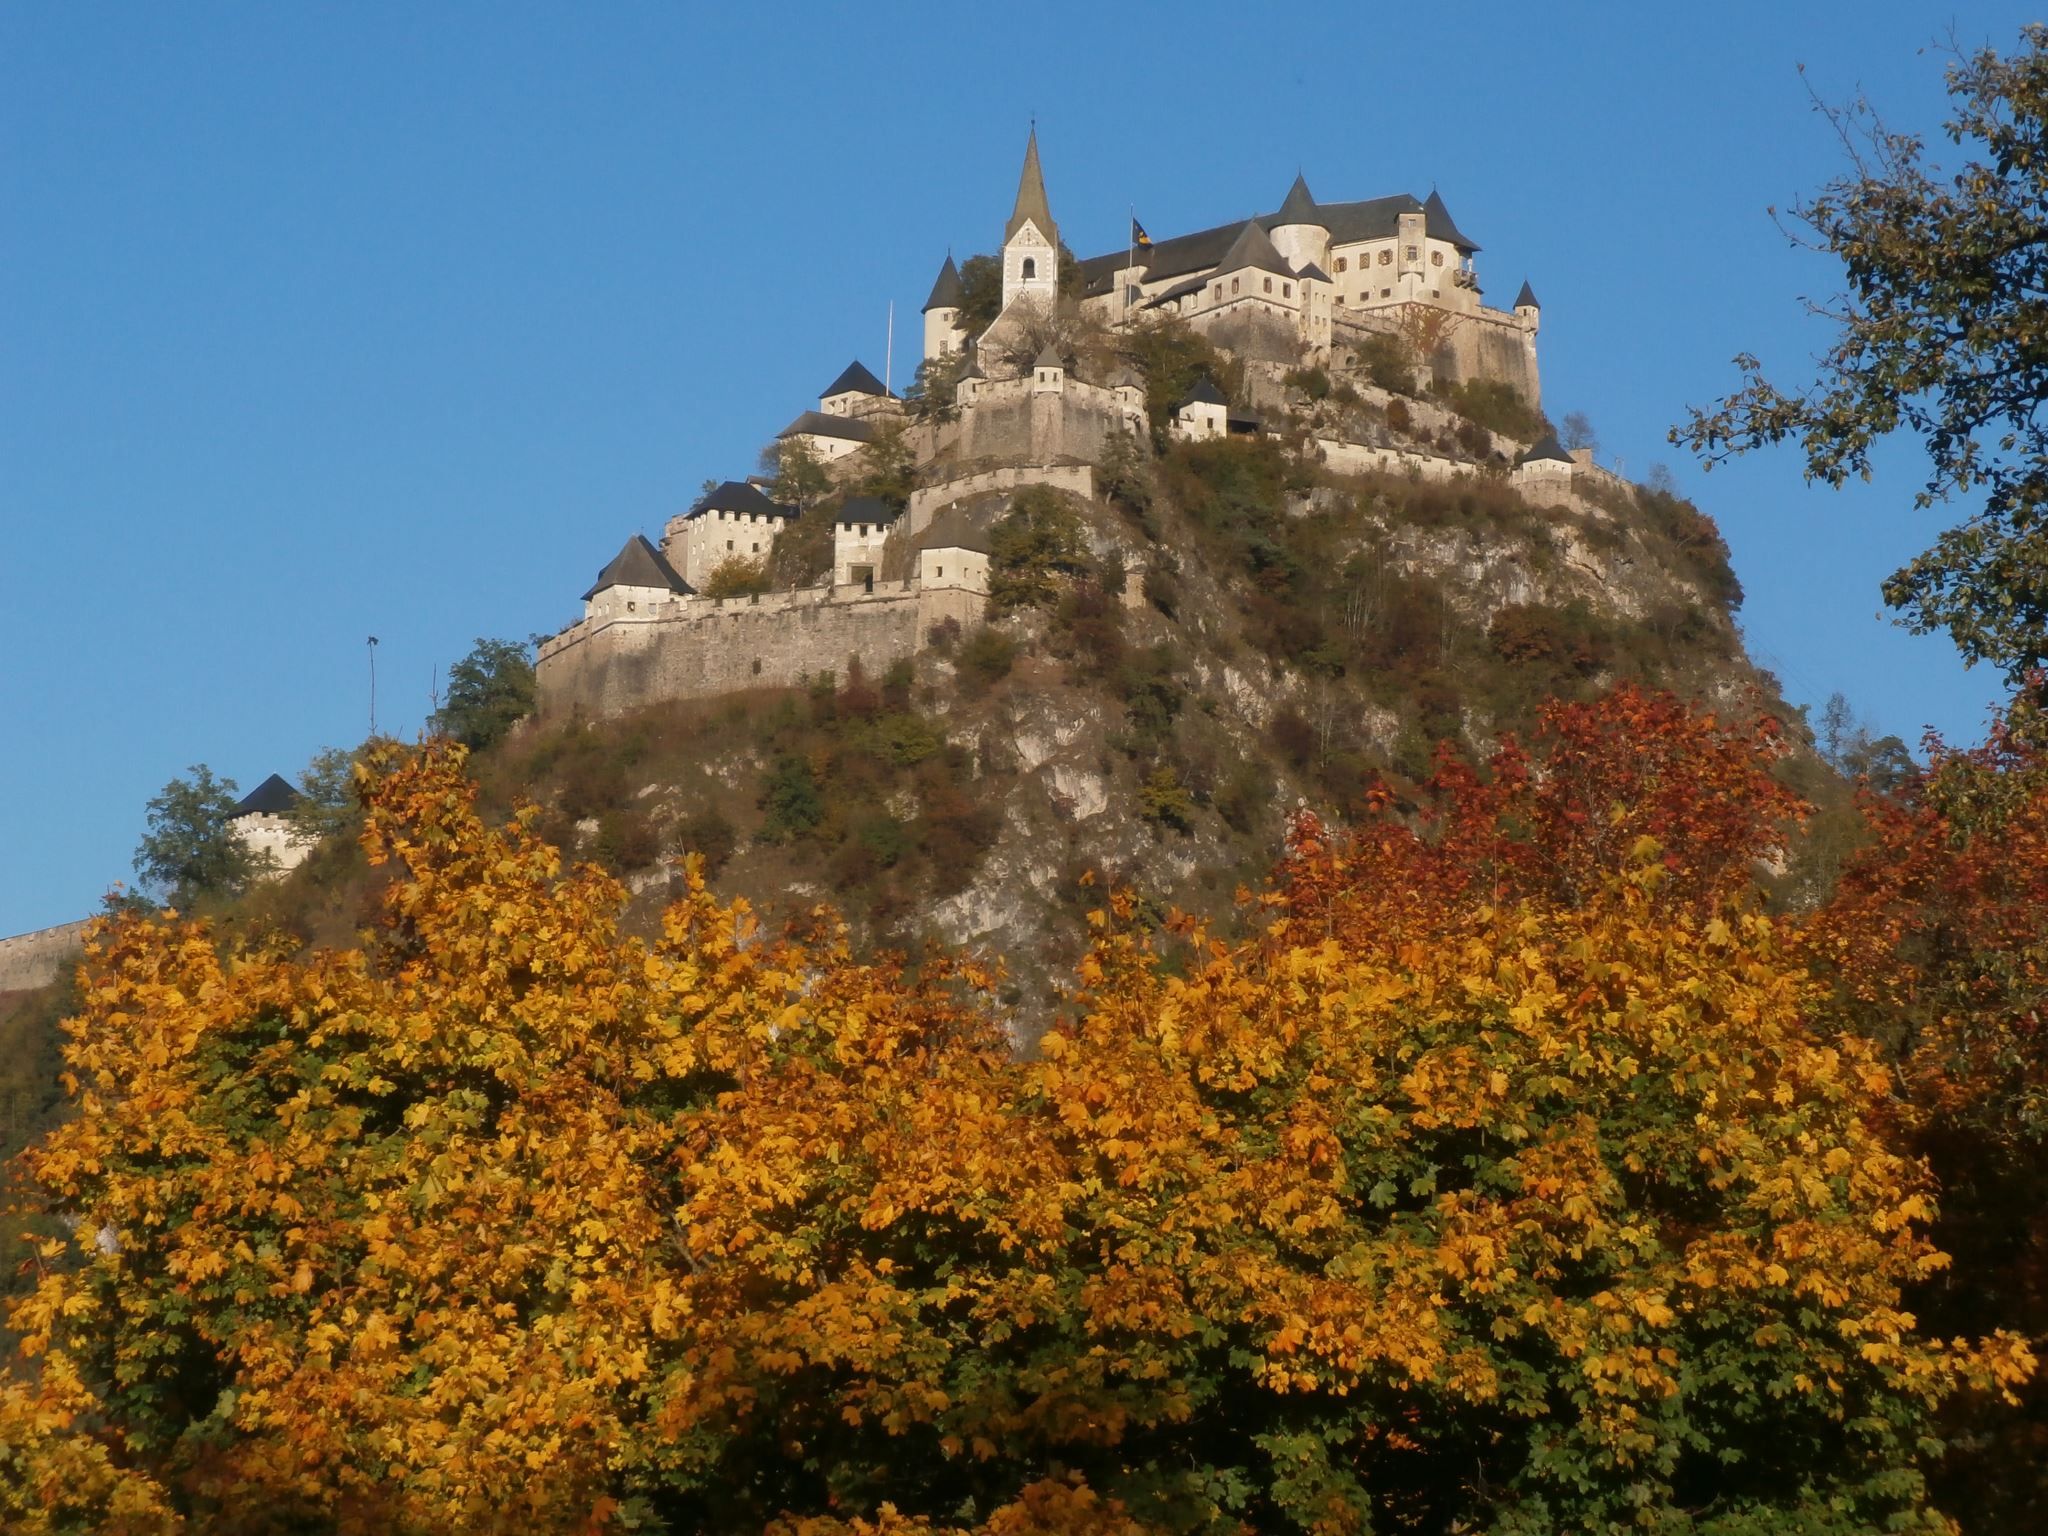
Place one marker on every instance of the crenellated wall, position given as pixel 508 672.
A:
pixel 715 646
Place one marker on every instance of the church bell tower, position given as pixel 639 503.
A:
pixel 1031 241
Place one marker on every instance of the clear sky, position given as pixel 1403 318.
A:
pixel 324 321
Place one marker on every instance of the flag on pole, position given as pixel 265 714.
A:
pixel 1138 235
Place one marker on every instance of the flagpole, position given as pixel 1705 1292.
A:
pixel 1130 257
pixel 889 350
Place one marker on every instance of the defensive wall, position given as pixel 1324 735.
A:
pixel 35 959
pixel 715 646
pixel 928 500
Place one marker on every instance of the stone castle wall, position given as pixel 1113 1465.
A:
pixel 36 959
pixel 608 666
pixel 1013 420
pixel 928 501
pixel 1477 344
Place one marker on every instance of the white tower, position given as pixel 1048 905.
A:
pixel 1298 231
pixel 1031 241
pixel 942 312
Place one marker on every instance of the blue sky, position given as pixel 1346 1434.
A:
pixel 323 321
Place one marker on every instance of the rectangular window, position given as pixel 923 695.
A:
pixel 1287 290
pixel 1412 253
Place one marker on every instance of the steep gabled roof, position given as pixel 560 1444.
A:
pixel 818 424
pixel 947 292
pixel 867 509
pixel 1526 296
pixel 1205 392
pixel 273 797
pixel 1050 358
pixel 1300 207
pixel 1031 203
pixel 855 380
pixel 1545 447
pixel 1313 274
pixel 1253 248
pixel 639 564
pixel 739 496
pixel 1437 220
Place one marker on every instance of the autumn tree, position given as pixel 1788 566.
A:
pixel 1936 336
pixel 1551 1206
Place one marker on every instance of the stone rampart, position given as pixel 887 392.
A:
pixel 927 501
pixel 36 959
pixel 713 647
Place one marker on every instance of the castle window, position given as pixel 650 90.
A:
pixel 1287 290
pixel 942 570
pixel 728 544
pixel 1219 292
pixel 1340 263
pixel 1233 285
pixel 1413 254
pixel 1030 268
pixel 1269 285
pixel 1386 293
pixel 1436 258
pixel 1385 257
pixel 631 606
pixel 757 666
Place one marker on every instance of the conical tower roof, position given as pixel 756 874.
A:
pixel 947 292
pixel 1031 203
pixel 1527 297
pixel 856 379
pixel 273 797
pixel 1437 220
pixel 1300 207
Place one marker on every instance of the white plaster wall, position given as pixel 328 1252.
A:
pixel 1030 243
pixel 857 544
pixel 966 569
pixel 942 335
pixel 275 836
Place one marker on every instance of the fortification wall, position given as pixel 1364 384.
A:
pixel 1358 459
pixel 1011 420
pixel 35 959
pixel 926 502
pixel 1476 344
pixel 716 647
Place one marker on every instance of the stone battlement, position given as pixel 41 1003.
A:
pixel 36 959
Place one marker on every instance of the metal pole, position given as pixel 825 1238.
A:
pixel 373 685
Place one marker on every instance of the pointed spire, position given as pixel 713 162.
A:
pixel 1437 220
pixel 1526 299
pixel 1300 207
pixel 947 292
pixel 1031 203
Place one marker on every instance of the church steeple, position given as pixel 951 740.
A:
pixel 1031 203
pixel 1031 241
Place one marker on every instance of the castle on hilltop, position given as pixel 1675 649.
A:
pixel 1039 396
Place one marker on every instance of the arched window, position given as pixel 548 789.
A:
pixel 1030 268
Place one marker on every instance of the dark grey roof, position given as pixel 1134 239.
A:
pixel 639 564
pixel 1031 203
pixel 818 424
pixel 856 379
pixel 273 797
pixel 1313 273
pixel 739 496
pixel 1545 447
pixel 1253 248
pixel 1526 296
pixel 1376 218
pixel 947 292
pixel 956 528
pixel 1437 220
pixel 1050 358
pixel 867 509
pixel 1300 206
pixel 1205 392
